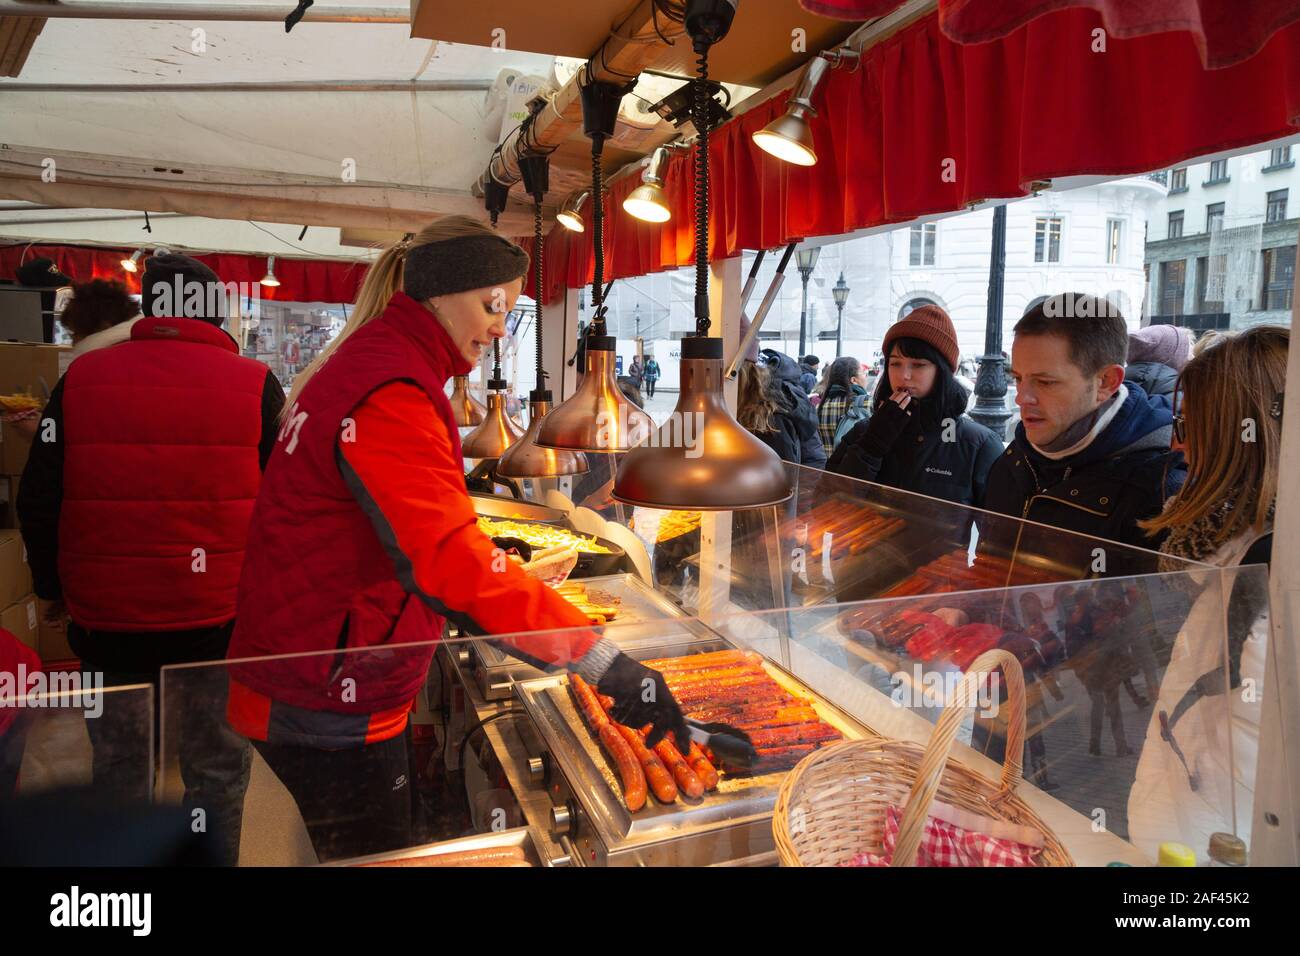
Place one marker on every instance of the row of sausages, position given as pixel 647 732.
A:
pixel 661 770
pixel 955 572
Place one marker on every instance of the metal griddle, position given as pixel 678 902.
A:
pixel 589 817
pixel 495 671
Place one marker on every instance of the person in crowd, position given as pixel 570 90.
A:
pixel 1091 454
pixel 1204 722
pixel 918 437
pixel 651 375
pixel 1156 355
pixel 635 372
pixel 17 663
pixel 100 313
pixel 1101 660
pixel 364 539
pixel 844 402
pixel 135 513
pixel 819 390
pixel 784 382
pixel 808 373
pixel 42 274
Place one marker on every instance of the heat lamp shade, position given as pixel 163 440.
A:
pixel 702 459
pixel 648 203
pixel 788 138
pixel 527 459
pixel 597 417
pixel 495 434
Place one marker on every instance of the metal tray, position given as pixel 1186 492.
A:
pixel 523 837
pixel 593 782
pixel 499 506
pixel 496 670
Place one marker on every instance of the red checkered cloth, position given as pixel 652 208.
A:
pixel 946 844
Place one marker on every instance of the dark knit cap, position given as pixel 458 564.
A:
pixel 460 264
pixel 931 325
pixel 176 286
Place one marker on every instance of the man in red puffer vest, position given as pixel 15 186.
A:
pixel 135 508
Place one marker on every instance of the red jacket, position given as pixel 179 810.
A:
pixel 362 535
pixel 160 472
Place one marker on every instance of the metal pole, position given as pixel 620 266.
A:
pixel 991 383
pixel 247 11
pixel 803 314
pixel 839 331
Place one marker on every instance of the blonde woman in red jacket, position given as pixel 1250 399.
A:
pixel 364 537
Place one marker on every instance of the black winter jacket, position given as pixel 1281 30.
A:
pixel 798 440
pixel 922 462
pixel 1155 378
pixel 1122 478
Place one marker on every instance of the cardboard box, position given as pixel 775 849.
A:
pixel 8 510
pixel 33 369
pixel 22 620
pixel 15 575
pixel 14 449
pixel 52 640
pixel 9 502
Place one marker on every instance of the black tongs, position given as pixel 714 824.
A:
pixel 730 744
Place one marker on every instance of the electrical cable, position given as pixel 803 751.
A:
pixel 477 726
pixel 598 237
pixel 701 119
pixel 537 287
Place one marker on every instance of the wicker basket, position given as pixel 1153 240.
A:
pixel 833 805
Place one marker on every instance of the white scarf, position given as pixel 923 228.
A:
pixel 1099 426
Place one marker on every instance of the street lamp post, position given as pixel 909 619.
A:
pixel 841 293
pixel 991 383
pixel 807 261
pixel 640 350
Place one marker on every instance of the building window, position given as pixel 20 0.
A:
pixel 911 305
pixel 1214 217
pixel 1202 280
pixel 1279 158
pixel 1175 224
pixel 1178 180
pixel 1047 239
pixel 1276 209
pixel 1114 240
pixel 1279 278
pixel 923 241
pixel 1172 275
pixel 1218 172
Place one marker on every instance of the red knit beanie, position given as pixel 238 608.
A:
pixel 931 325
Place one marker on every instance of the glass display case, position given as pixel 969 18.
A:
pixel 52 731
pixel 1143 697
pixel 836 540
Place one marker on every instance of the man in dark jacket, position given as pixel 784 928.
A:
pixel 808 373
pixel 135 508
pixel 1091 454
pixel 803 417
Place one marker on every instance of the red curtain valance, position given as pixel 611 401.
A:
pixel 926 126
pixel 301 280
pixel 1224 31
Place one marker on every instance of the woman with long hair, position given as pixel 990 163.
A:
pixel 1230 431
pixel 364 538
pixel 845 397
pixel 918 437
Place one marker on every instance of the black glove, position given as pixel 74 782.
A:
pixel 642 697
pixel 883 428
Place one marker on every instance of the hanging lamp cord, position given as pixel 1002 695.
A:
pixel 537 286
pixel 700 110
pixel 598 238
